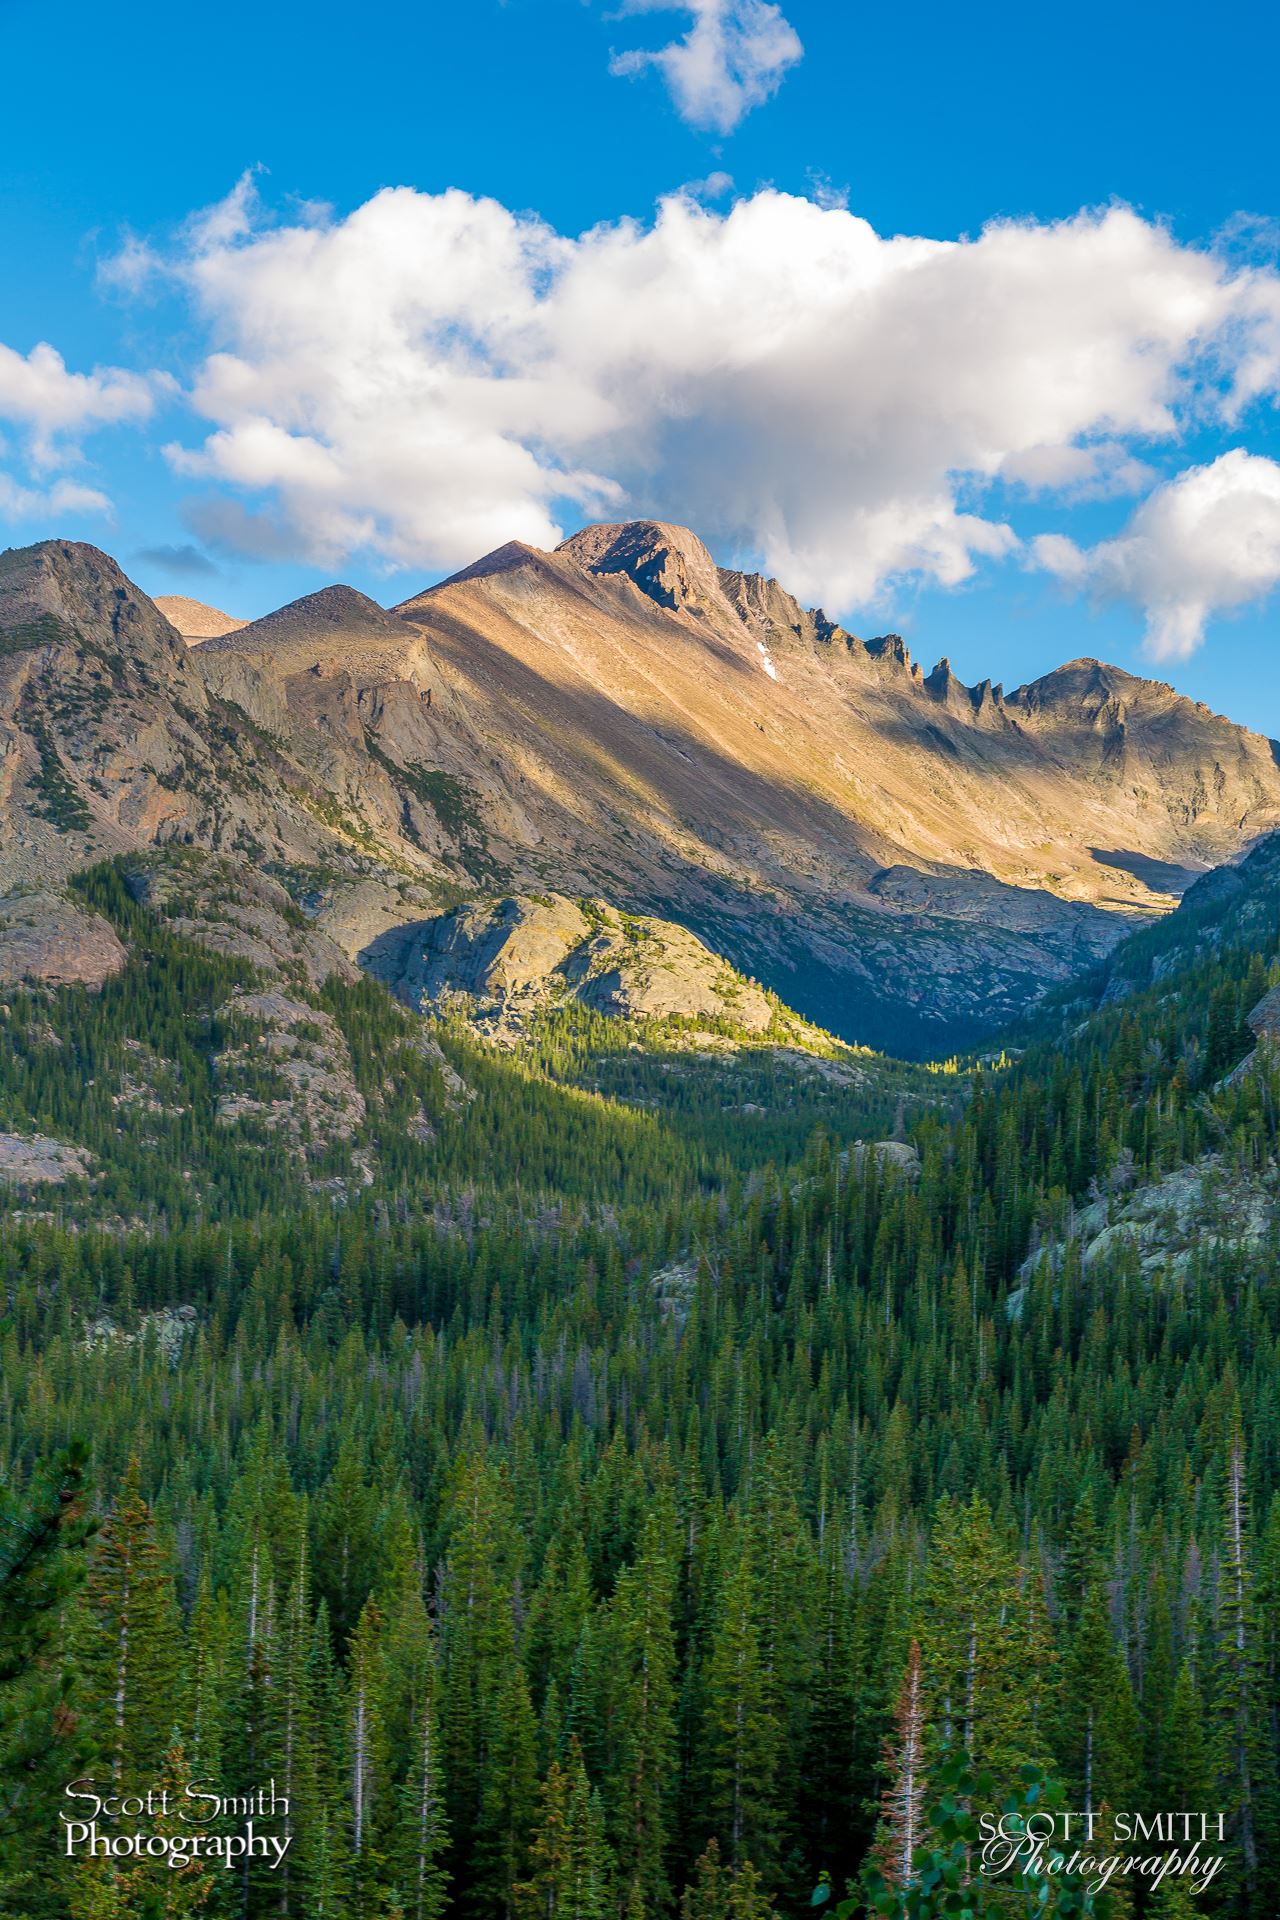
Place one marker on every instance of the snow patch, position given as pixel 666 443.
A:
pixel 769 667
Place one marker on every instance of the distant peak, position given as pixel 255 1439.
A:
pixel 338 602
pixel 194 619
pixel 892 646
pixel 337 613
pixel 1084 679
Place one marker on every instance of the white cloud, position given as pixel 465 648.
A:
pixel 433 375
pixel 1105 470
pixel 1205 542
pixel 733 58
pixel 714 187
pixel 64 496
pixel 53 407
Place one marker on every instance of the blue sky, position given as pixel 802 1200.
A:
pixel 978 540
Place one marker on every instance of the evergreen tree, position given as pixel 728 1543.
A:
pixel 1238 1683
pixel 42 1745
pixel 720 1892
pixel 644 1603
pixel 1099 1737
pixel 129 1642
pixel 982 1664
pixel 569 1858
pixel 740 1733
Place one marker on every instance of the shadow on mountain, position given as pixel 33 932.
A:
pixel 1161 876
pixel 802 918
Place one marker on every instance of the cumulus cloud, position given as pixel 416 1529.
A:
pixel 1203 543
pixel 434 374
pixel 53 406
pixel 1102 471
pixel 52 409
pixel 18 502
pixel 733 58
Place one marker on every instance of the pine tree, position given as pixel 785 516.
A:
pixel 507 1799
pixel 902 1804
pixel 833 1757
pixel 42 1741
pixel 644 1605
pixel 569 1858
pixel 1187 1777
pixel 1174 1900
pixel 1238 1690
pixel 367 1759
pixel 1098 1741
pixel 741 1736
pixel 982 1664
pixel 719 1892
pixel 423 1830
pixel 129 1640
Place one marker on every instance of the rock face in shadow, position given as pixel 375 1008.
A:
pixel 503 961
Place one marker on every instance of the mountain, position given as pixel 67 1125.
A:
pixel 901 856
pixel 904 859
pixel 193 619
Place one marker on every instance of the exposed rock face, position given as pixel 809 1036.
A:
pixel 114 736
pixel 667 563
pixel 355 914
pixel 310 1098
pixel 336 627
pixel 899 1154
pixel 1264 1019
pixel 74 586
pixel 194 620
pixel 1195 1209
pixel 46 939
pixel 905 859
pixel 1232 905
pixel 514 957
pixel 170 1327
pixel 1264 1023
pixel 234 911
pixel 35 1161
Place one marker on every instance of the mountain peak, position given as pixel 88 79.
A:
pixel 333 614
pixel 195 620
pixel 1087 683
pixel 81 589
pixel 504 559
pixel 668 563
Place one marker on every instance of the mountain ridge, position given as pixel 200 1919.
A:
pixel 907 860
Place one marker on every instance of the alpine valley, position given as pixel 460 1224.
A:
pixel 638 1253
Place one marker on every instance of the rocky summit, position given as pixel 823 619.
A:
pixel 908 860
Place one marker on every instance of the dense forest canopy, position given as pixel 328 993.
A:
pixel 600 1484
